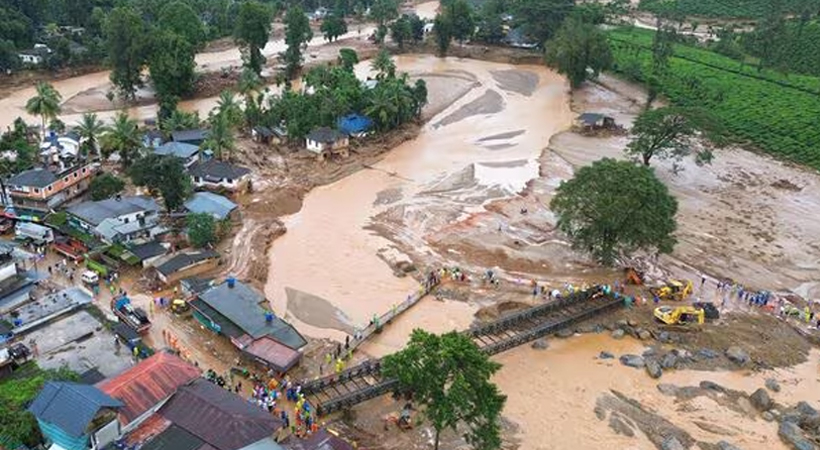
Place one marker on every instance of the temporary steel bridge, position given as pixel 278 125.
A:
pixel 364 381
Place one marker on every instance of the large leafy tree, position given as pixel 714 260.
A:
pixel 333 27
pixel 580 51
pixel 668 133
pixel 443 30
pixel 179 17
pixel 105 186
pixel 383 11
pixel 541 19
pixel 228 106
pixel 297 33
pixel 172 68
pixel 90 128
pixel 490 24
pixel 348 58
pixel 461 17
pixel 383 65
pixel 252 30
pixel 124 138
pixel 616 207
pixel 450 377
pixel 165 174
pixel 126 36
pixel 45 103
pixel 401 31
pixel 201 229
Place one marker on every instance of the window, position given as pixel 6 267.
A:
pixel 76 174
pixel 125 220
pixel 50 188
pixel 197 180
pixel 230 180
pixel 36 191
pixel 85 169
pixel 66 179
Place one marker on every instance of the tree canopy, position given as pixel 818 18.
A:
pixel 124 137
pixel 180 18
pixel 127 37
pixel 616 207
pixel 45 103
pixel 201 229
pixel 450 377
pixel 443 31
pixel 105 186
pixel 297 33
pixel 668 133
pixel 333 26
pixel 252 30
pixel 461 18
pixel 579 50
pixel 90 128
pixel 172 67
pixel 165 174
pixel 540 19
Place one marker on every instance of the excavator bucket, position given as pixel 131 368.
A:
pixel 633 276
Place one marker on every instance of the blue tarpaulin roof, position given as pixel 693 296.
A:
pixel 354 124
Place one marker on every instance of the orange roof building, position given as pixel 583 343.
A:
pixel 146 386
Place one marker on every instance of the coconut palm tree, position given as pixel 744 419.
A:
pixel 90 128
pixel 179 120
pixel 220 140
pixel 124 137
pixel 45 103
pixel 228 107
pixel 384 65
pixel 382 108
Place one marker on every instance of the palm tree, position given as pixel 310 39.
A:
pixel 46 104
pixel 89 129
pixel 220 138
pixel 179 120
pixel 384 65
pixel 229 108
pixel 382 108
pixel 124 137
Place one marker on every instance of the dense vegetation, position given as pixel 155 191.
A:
pixel 791 46
pixel 775 113
pixel 17 426
pixel 726 8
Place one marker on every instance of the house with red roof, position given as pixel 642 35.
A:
pixel 147 386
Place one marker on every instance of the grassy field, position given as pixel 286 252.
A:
pixel 766 110
pixel 735 9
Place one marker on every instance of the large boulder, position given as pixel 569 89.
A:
pixel 707 353
pixel 760 400
pixel 723 445
pixel 643 335
pixel 672 443
pixel 805 409
pixel 540 344
pixel 653 368
pixel 605 355
pixel 767 416
pixel 772 385
pixel 791 434
pixel 664 336
pixel 712 386
pixel 737 355
pixel 618 334
pixel 669 361
pixel 668 389
pixel 565 333
pixel 632 361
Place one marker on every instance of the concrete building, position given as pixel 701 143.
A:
pixel 185 264
pixel 219 207
pixel 214 174
pixel 133 219
pixel 188 153
pixel 326 142
pixel 45 189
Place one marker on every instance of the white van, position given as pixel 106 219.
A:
pixel 90 277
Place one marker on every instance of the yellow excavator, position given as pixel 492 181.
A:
pixel 674 290
pixel 680 315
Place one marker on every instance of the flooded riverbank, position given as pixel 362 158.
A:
pixel 328 252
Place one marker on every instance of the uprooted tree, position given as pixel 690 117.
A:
pixel 450 377
pixel 613 208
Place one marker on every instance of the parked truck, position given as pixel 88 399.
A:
pixel 130 315
pixel 70 248
pixel 34 232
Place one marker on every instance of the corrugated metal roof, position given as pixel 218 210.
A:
pixel 218 417
pixel 183 260
pixel 279 356
pixel 96 212
pixel 209 203
pixel 145 385
pixel 70 406
pixel 241 305
pixel 174 438
pixel 321 440
pixel 178 149
pixel 39 178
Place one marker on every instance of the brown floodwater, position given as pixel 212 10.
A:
pixel 328 252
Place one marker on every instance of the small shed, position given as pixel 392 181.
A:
pixel 263 135
pixel 595 121
pixel 355 125
pixel 325 142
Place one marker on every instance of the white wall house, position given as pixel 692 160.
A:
pixel 326 141
pixel 214 174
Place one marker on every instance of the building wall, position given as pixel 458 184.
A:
pixel 190 271
pixel 8 270
pixel 224 183
pixel 76 177
pixel 315 146
pixel 54 434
